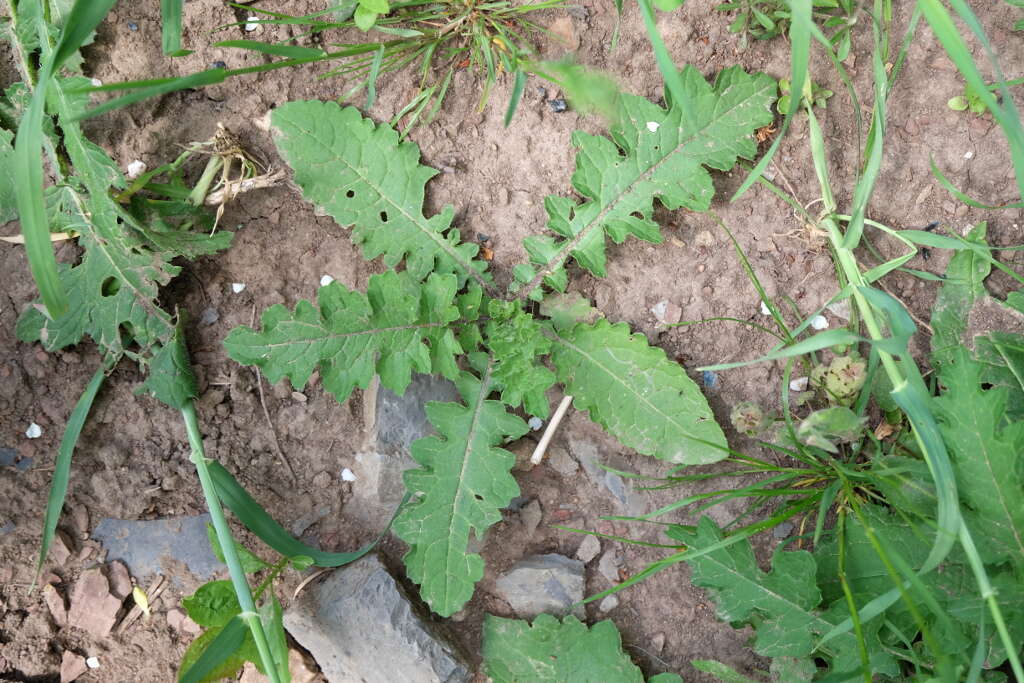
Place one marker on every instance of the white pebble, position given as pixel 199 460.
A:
pixel 237 287
pixel 348 475
pixel 136 168
pixel 969 154
pixel 798 384
pixel 764 309
pixel 653 126
pixel 251 24
pixel 96 82
pixel 34 431
pixel 326 280
pixel 535 423
pixel 93 662
pixel 819 322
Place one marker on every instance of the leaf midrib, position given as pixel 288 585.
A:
pixel 337 335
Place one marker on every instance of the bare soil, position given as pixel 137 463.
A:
pixel 132 458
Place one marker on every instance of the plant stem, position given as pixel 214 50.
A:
pixel 198 194
pixel 227 543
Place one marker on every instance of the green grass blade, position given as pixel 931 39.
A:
pixel 371 79
pixel 1005 113
pixel 170 19
pixel 62 467
pixel 196 80
pixel 667 67
pixel 290 51
pixel 517 95
pixel 800 55
pixel 256 519
pixel 952 189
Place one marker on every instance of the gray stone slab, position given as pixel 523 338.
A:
pixel 359 625
pixel 159 546
pixel 543 584
pixel 403 419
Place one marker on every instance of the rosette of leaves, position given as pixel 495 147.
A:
pixel 442 313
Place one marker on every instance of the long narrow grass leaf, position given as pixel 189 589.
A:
pixel 170 19
pixel 62 466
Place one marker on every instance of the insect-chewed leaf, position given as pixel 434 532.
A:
pixel 364 176
pixel 632 390
pixel 986 455
pixel 549 650
pixel 655 153
pixel 463 482
pixel 353 336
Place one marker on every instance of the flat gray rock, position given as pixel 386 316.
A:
pixel 403 419
pixel 543 584
pixel 159 546
pixel 359 626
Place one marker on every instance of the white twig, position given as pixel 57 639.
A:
pixel 538 452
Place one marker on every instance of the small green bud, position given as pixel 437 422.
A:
pixel 747 418
pixel 845 378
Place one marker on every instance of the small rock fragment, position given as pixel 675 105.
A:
pixel 535 423
pixel 55 603
pixel 560 461
pixel 251 24
pixel 71 666
pixel 666 312
pixel 326 280
pixel 799 384
pixel 132 26
pixel 60 548
pixel 209 316
pixel 347 475
pixel 558 105
pixel 219 64
pixel 93 662
pixel 531 514
pixel 609 603
pixel 782 530
pixel 93 608
pixel 135 169
pixel 120 580
pixel 34 431
pixel 819 322
pixel 237 287
pixel 588 549
pixel 359 626
pixel 608 566
pixel 764 309
pixel 543 584
pixel 299 397
pixel 658 642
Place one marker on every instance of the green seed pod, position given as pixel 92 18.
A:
pixel 845 378
pixel 747 418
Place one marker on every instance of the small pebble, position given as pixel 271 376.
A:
pixel 135 169
pixel 558 106
pixel 251 24
pixel 132 26
pixel 799 384
pixel 542 92
pixel 782 530
pixel 34 431
pixel 209 316
pixel 348 475
pixel 299 396
pixel 969 154
pixel 93 662
pixel 326 280
pixel 653 126
pixel 535 423
pixel 483 237
pixel 220 64
pixel 701 268
pixel 819 322
pixel 709 379
pixel 707 290
pixel 237 287
pixel 96 82
pixel 764 309
pixel 609 603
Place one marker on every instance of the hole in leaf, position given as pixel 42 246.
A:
pixel 478 496
pixel 384 216
pixel 110 286
pixel 350 194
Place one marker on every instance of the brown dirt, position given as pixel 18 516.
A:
pixel 132 458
